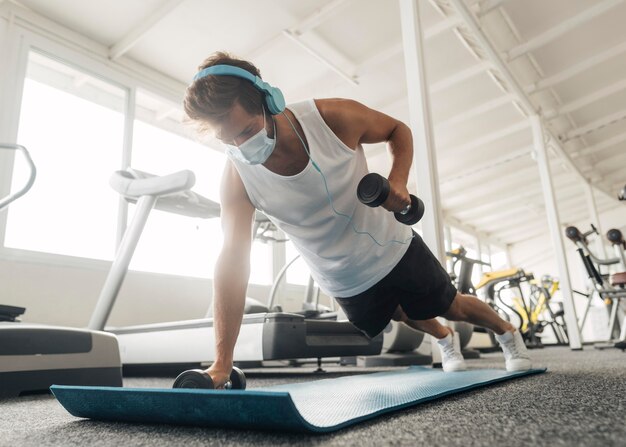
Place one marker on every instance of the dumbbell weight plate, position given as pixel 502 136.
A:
pixel 416 212
pixel 194 378
pixel 237 379
pixel 373 190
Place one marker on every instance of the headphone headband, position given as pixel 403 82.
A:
pixel 274 99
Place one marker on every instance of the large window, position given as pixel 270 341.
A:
pixel 175 244
pixel 73 122
pixel 298 273
pixel 73 125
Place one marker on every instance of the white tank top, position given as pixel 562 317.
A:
pixel 342 262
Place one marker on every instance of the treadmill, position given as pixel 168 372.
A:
pixel 35 356
pixel 264 334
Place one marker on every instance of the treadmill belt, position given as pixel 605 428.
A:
pixel 317 406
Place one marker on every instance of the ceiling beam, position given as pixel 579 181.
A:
pixel 500 200
pixel 139 30
pixel 576 69
pixel 497 201
pixel 583 101
pixel 516 214
pixel 396 50
pixel 498 162
pixel 517 180
pixel 535 257
pixel 613 141
pixel 347 73
pixel 526 105
pixel 562 28
pixel 486 6
pixel 489 188
pixel 611 161
pixel 466 115
pixel 320 15
pixel 615 174
pixel 518 206
pixel 522 228
pixel 513 235
pixel 304 35
pixel 487 138
pixel 457 78
pixel 469 229
pixel 595 125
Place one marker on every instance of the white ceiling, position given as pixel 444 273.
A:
pixel 489 181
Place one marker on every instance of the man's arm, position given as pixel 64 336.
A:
pixel 232 272
pixel 355 123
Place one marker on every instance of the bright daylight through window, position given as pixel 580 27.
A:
pixel 73 125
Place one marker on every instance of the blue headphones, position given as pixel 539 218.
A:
pixel 274 99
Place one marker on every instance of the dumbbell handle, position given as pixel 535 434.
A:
pixel 373 191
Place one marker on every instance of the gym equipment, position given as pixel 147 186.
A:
pixel 373 190
pixel 265 335
pixel 197 378
pixel 400 341
pixel 463 283
pixel 34 356
pixel 314 407
pixel 616 238
pixel 533 311
pixel 400 348
pixel 611 289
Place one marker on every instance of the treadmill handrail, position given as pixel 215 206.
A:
pixel 132 183
pixel 31 177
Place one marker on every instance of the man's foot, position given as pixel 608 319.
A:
pixel 516 356
pixel 451 357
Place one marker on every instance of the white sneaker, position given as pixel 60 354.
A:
pixel 516 356
pixel 451 357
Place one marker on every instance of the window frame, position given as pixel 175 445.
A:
pixel 25 32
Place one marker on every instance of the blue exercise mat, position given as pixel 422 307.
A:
pixel 317 406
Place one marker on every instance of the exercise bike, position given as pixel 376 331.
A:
pixel 463 283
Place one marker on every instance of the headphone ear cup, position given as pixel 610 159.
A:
pixel 274 100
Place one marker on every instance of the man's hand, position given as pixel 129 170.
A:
pixel 220 374
pixel 399 198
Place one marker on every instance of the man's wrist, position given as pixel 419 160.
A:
pixel 223 364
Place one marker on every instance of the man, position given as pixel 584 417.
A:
pixel 301 165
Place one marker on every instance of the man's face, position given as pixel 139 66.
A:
pixel 237 126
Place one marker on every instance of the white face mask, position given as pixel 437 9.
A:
pixel 257 149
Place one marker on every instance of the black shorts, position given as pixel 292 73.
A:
pixel 418 283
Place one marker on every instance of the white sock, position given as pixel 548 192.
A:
pixel 445 340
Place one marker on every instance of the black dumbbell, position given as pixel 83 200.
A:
pixel 373 190
pixel 197 378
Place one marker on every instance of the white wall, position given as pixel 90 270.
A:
pixel 66 295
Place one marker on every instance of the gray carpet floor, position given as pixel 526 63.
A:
pixel 579 402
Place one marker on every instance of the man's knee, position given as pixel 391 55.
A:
pixel 456 311
pixel 399 315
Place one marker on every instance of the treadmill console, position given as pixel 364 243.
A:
pixel 10 313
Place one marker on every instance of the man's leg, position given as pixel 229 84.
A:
pixel 451 357
pixel 472 310
pixel 431 327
